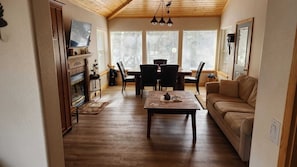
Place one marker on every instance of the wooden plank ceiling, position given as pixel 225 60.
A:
pixel 147 8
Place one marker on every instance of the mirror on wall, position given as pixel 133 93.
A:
pixel 244 31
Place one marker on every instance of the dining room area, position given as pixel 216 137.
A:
pixel 159 76
pixel 136 42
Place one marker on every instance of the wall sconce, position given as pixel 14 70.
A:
pixel 162 21
pixel 3 23
pixel 230 39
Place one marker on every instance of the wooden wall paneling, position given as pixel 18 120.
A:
pixel 61 65
pixel 146 9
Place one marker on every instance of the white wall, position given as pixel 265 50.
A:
pixel 25 135
pixel 271 55
pixel 237 10
pixel 273 80
pixel 70 12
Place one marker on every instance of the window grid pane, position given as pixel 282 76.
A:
pixel 126 47
pixel 162 45
pixel 199 46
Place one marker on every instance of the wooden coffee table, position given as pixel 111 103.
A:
pixel 186 104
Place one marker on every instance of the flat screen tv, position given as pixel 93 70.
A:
pixel 79 34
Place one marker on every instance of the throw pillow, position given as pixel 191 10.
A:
pixel 229 88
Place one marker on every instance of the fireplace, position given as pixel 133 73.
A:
pixel 79 81
pixel 78 94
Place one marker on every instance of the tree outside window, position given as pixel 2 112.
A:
pixel 199 46
pixel 162 45
pixel 126 47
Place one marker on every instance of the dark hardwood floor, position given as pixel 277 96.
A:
pixel 117 137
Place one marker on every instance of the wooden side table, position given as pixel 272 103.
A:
pixel 95 88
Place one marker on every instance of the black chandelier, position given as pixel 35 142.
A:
pixel 162 21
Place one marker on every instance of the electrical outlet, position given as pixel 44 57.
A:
pixel 274 131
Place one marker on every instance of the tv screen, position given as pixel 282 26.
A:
pixel 79 34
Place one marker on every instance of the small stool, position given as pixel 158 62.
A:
pixel 93 78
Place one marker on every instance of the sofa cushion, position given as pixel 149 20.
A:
pixel 216 97
pixel 245 87
pixel 252 98
pixel 212 87
pixel 229 88
pixel 235 119
pixel 224 107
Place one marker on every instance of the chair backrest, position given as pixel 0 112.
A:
pixel 160 61
pixel 199 70
pixel 168 76
pixel 122 70
pixel 123 67
pixel 148 74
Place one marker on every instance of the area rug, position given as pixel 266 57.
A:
pixel 202 100
pixel 92 108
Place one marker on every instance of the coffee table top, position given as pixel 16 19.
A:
pixel 181 100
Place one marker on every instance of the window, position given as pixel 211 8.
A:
pixel 162 45
pixel 199 46
pixel 126 47
pixel 101 50
pixel 225 57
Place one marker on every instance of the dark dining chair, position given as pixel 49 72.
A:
pixel 168 76
pixel 148 76
pixel 160 61
pixel 195 79
pixel 125 78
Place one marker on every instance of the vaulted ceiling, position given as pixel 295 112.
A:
pixel 147 8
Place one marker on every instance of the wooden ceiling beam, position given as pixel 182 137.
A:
pixel 118 10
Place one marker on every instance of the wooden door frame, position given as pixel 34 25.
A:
pixel 249 23
pixel 289 128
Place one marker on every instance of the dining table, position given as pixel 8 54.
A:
pixel 180 84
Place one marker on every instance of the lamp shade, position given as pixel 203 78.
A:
pixel 163 7
pixel 154 21
pixel 169 22
pixel 162 22
pixel 3 23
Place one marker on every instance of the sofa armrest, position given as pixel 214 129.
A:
pixel 246 130
pixel 247 126
pixel 212 87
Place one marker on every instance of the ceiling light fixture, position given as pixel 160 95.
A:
pixel 154 21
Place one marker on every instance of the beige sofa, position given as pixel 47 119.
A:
pixel 231 103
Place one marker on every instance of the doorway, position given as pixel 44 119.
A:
pixel 244 33
pixel 288 147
